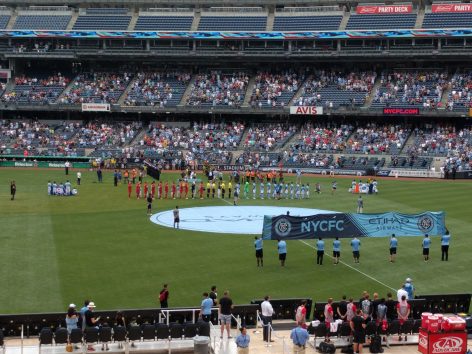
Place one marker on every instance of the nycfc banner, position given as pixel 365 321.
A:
pixel 387 9
pixel 344 225
pixel 306 110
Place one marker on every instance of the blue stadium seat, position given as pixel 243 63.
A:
pixel 376 22
pixel 96 22
pixel 307 23
pixel 37 22
pixel 164 23
pixel 4 21
pixel 232 23
pixel 447 20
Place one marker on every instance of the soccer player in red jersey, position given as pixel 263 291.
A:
pixel 173 190
pixel 138 190
pixel 160 190
pixel 166 189
pixel 186 189
pixel 200 189
pixel 153 189
pixel 130 189
pixel 146 188
pixel 181 189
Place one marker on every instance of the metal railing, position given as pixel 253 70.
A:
pixel 272 332
pixel 166 314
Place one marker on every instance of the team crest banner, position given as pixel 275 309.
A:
pixel 345 225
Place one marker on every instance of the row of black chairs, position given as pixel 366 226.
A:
pixel 105 334
pixel 394 327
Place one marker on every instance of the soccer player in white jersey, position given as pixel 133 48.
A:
pixel 261 191
pixel 268 189
pixel 254 190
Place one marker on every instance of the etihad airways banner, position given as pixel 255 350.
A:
pixel 457 7
pixel 384 9
pixel 344 225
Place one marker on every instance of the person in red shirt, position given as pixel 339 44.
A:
pixel 166 189
pixel 200 190
pixel 403 312
pixel 181 190
pixel 130 189
pixel 160 190
pixel 329 317
pixel 173 190
pixel 186 189
pixel 300 315
pixel 146 189
pixel 138 190
pixel 153 189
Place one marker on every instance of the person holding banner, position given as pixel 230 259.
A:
pixel 445 239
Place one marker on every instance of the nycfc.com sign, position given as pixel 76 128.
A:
pixel 306 110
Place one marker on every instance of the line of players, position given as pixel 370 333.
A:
pixel 221 189
pixel 63 189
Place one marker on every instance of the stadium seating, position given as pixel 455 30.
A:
pixel 327 138
pixel 334 89
pixel 307 23
pixel 447 20
pixel 41 22
pixel 4 21
pixel 378 22
pixel 218 88
pixel 275 89
pixel 269 136
pixel 163 23
pixel 416 89
pixel 232 23
pixel 98 87
pixel 460 96
pixel 35 89
pixel 161 89
pixel 103 19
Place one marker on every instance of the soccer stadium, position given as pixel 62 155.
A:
pixel 253 177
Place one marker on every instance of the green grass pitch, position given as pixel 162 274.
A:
pixel 100 245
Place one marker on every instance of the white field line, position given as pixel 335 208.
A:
pixel 351 267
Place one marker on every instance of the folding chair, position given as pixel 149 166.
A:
pixel 134 334
pixel 190 330
pixel 162 331
pixel 61 336
pixel 176 331
pixel 45 336
pixel 119 335
pixel 203 329
pixel 149 331
pixel 104 335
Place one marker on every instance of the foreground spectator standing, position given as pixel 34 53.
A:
pixel 205 308
pixel 299 337
pixel 225 307
pixel 242 341
pixel 267 311
pixel 358 329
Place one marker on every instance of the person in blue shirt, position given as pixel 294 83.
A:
pixel 299 337
pixel 205 308
pixel 410 289
pixel 336 250
pixel 426 244
pixel 356 244
pixel 319 251
pixel 393 248
pixel 282 249
pixel 445 239
pixel 242 341
pixel 259 252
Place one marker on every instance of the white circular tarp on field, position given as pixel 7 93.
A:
pixel 228 219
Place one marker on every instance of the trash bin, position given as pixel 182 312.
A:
pixel 201 345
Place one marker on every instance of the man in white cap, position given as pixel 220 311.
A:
pixel 90 320
pixel 409 288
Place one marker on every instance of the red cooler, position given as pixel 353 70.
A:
pixel 425 319
pixel 440 320
pixel 433 326
pixel 453 323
